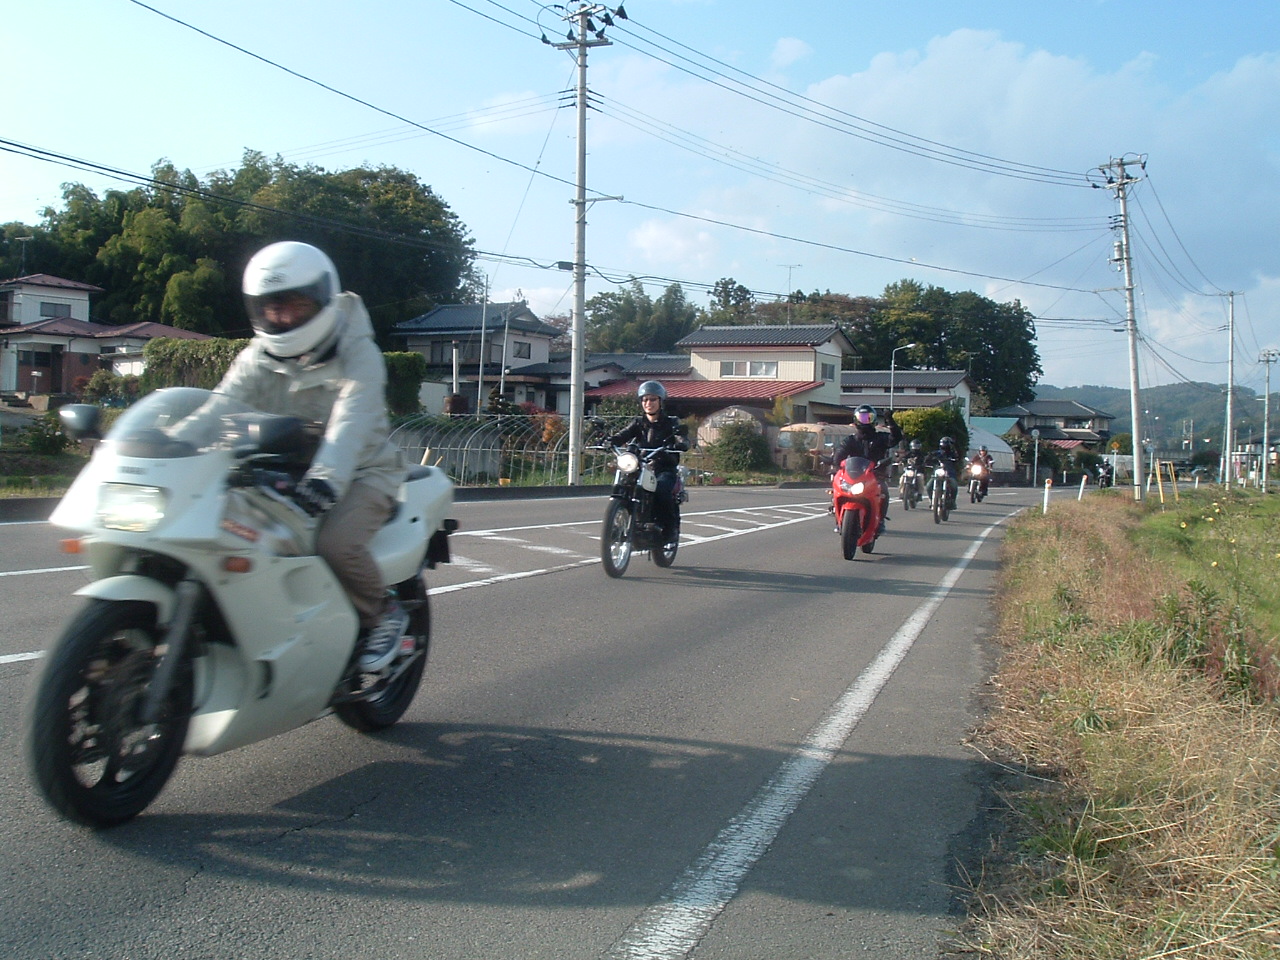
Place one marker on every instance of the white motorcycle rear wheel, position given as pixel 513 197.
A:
pixel 387 706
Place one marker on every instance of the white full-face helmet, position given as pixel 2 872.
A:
pixel 287 268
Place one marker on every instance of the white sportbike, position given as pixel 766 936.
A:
pixel 210 623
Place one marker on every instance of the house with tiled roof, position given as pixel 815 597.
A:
pixel 474 347
pixel 49 356
pixel 1063 423
pixel 907 389
pixel 39 296
pixel 751 367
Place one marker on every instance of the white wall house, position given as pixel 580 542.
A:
pixel 477 340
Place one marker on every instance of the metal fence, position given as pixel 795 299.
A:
pixel 506 449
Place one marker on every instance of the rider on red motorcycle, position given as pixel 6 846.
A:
pixel 873 444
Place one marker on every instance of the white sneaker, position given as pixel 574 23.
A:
pixel 383 642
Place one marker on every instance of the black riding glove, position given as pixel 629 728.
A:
pixel 315 496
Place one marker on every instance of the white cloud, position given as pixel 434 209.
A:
pixel 789 50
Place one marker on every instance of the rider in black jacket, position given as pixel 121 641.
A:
pixel 867 441
pixel 654 428
pixel 948 455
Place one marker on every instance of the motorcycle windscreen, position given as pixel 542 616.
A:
pixel 857 466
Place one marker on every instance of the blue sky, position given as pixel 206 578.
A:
pixel 725 128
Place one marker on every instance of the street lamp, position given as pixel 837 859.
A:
pixel 893 357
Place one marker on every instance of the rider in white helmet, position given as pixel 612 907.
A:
pixel 313 356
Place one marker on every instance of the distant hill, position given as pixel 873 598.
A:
pixel 1176 412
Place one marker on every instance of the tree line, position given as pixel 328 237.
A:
pixel 994 342
pixel 173 250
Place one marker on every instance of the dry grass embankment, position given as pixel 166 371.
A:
pixel 1137 692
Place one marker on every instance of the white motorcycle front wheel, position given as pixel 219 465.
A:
pixel 91 755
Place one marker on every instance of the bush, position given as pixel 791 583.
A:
pixel 45 435
pixel 740 448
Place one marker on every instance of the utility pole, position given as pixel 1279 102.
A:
pixel 1268 357
pixel 1229 446
pixel 1118 180
pixel 586 36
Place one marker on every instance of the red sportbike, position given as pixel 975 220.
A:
pixel 857 503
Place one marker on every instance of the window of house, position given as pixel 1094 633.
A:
pixel 926 389
pixel 828 371
pixel 55 309
pixel 749 368
pixel 522 350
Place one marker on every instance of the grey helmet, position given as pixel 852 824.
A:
pixel 652 388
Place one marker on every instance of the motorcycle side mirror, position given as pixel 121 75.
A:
pixel 81 421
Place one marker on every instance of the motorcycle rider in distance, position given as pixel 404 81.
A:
pixel 313 356
pixel 654 428
pixel 949 456
pixel 867 441
pixel 914 457
pixel 984 457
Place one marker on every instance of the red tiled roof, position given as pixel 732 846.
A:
pixel 714 389
pixel 1066 444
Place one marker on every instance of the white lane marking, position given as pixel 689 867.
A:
pixel 17 657
pixel 671 928
pixel 475 566
pixel 23 573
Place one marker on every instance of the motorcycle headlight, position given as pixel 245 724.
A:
pixel 130 507
pixel 628 462
pixel 852 488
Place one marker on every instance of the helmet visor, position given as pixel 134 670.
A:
pixel 283 310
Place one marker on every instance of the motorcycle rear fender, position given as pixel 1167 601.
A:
pixel 133 587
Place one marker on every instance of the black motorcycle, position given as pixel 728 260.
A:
pixel 629 520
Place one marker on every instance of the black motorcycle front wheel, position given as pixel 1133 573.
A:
pixel 385 707
pixel 615 538
pixel 850 531
pixel 91 755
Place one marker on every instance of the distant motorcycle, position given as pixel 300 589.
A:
pixel 630 520
pixel 977 474
pixel 910 486
pixel 941 491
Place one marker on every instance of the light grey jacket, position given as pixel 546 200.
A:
pixel 341 386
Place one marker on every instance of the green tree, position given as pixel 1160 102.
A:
pixel 731 303
pixel 173 251
pixel 994 342
pixel 629 321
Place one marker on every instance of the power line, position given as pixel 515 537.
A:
pixel 852 124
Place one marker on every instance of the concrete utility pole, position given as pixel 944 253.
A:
pixel 1228 447
pixel 1118 179
pixel 1268 357
pixel 587 35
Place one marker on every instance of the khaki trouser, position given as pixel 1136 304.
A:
pixel 343 542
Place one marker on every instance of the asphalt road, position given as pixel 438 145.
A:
pixel 757 753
